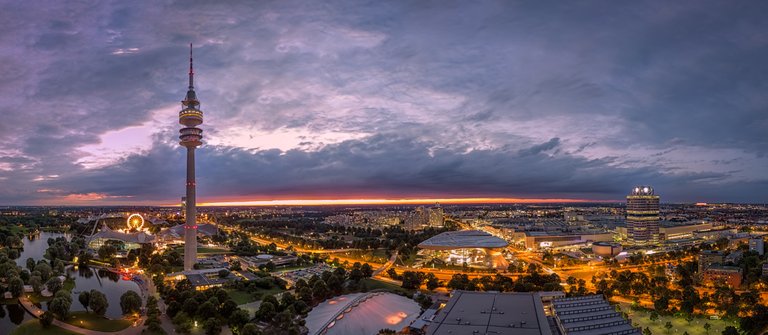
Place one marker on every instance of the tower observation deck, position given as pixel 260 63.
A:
pixel 190 137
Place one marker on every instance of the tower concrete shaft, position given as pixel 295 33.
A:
pixel 190 225
pixel 191 137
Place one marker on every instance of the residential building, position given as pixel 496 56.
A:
pixel 708 258
pixel 719 275
pixel 757 245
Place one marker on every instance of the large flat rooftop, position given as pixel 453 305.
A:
pixel 491 313
pixel 463 239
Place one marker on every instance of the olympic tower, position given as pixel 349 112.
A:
pixel 190 117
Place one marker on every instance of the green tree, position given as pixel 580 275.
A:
pixel 305 294
pixel 320 291
pixel 707 327
pixel 266 311
pixel 392 273
pixel 287 300
pixel 668 326
pixel 647 331
pixel 730 330
pixel 44 270
pixel 182 322
pixel 411 280
pixel 37 283
pixel 107 252
pixel 206 310
pixel 250 329
pixel 654 316
pixel 98 302
pixel 356 274
pixel 53 285
pixel 60 306
pixel 238 319
pixel 190 307
pixel 661 304
pixel 130 302
pixel 367 270
pixel 85 299
pixel 335 284
pixel 153 316
pixel 46 319
pixel 212 326
pixel 16 286
pixel 432 282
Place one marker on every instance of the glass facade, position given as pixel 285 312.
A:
pixel 643 216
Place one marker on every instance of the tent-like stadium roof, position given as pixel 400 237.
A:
pixel 109 234
pixel 463 239
pixel 178 230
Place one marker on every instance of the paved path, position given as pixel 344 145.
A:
pixel 134 329
pixel 386 265
pixel 251 307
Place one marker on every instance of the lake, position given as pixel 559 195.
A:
pixel 86 279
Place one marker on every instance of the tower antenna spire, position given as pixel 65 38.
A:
pixel 191 71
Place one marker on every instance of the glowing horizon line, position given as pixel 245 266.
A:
pixel 384 201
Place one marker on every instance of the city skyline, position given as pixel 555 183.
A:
pixel 386 102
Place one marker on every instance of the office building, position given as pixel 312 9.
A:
pixel 643 216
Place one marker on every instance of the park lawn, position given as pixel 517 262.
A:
pixel 373 284
pixel 642 318
pixel 240 297
pixel 280 269
pixel 363 256
pixel 33 327
pixel 272 291
pixel 36 298
pixel 407 261
pixel 92 321
pixel 205 250
pixel 69 284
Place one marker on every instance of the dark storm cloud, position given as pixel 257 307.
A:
pixel 389 166
pixel 572 99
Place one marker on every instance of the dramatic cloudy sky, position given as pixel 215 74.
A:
pixel 316 99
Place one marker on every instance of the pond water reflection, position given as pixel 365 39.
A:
pixel 86 279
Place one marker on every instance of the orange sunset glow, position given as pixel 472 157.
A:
pixel 382 201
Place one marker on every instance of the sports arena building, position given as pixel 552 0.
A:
pixel 473 247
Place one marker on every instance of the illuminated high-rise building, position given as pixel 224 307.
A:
pixel 643 216
pixel 190 117
pixel 183 211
